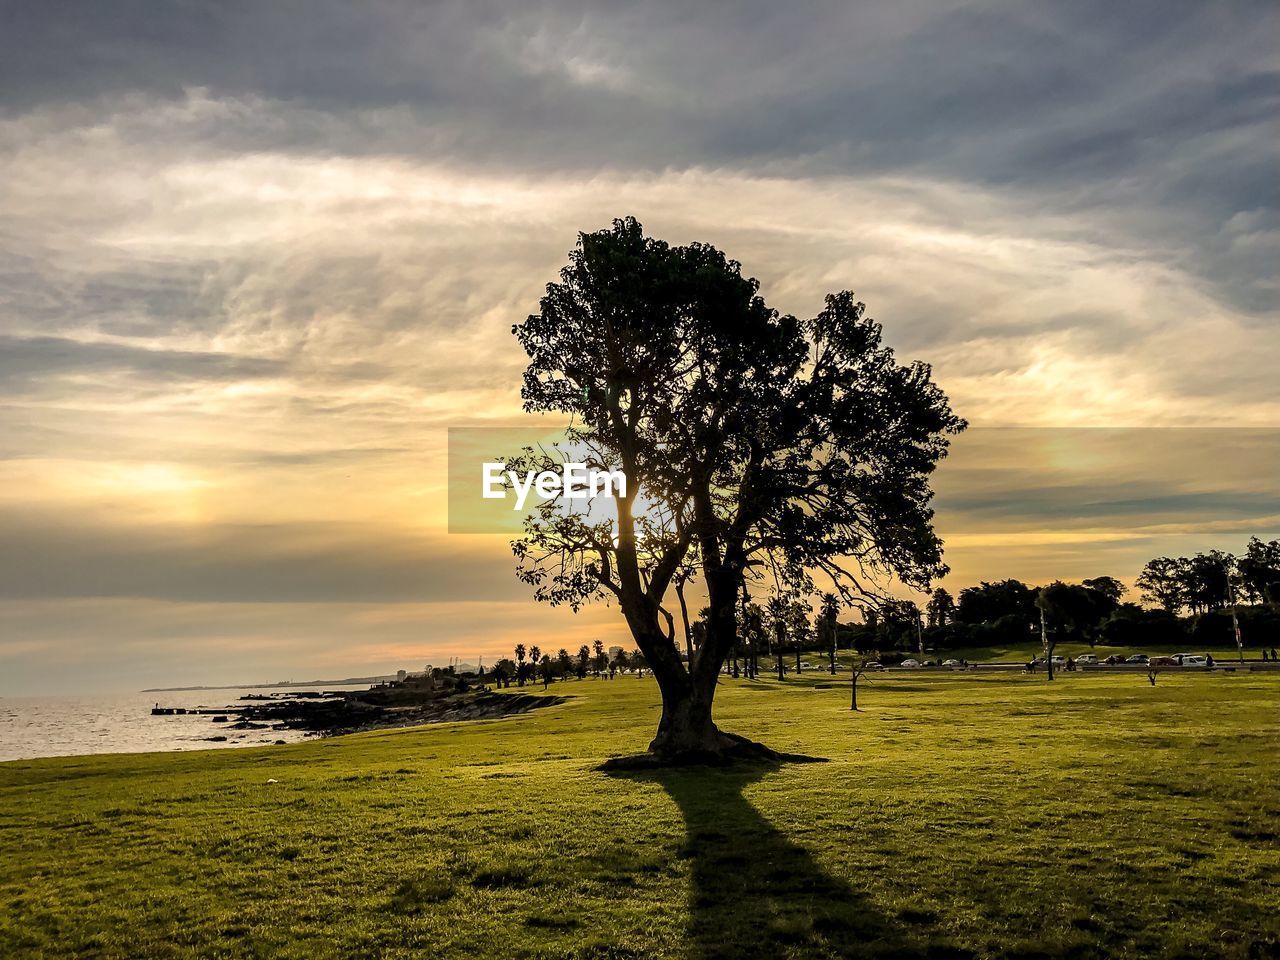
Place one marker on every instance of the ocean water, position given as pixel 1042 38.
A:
pixel 122 723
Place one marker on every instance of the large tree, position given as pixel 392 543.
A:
pixel 940 610
pixel 989 602
pixel 1260 569
pixel 1200 584
pixel 752 441
pixel 1163 581
pixel 1107 586
pixel 1070 612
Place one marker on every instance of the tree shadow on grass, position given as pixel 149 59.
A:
pixel 755 892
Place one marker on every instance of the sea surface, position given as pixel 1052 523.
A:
pixel 122 723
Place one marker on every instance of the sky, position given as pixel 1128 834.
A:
pixel 256 259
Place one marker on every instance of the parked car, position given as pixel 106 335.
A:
pixel 873 665
pixel 1139 658
pixel 1114 659
pixel 1163 662
pixel 806 665
pixel 1192 660
pixel 1059 661
pixel 1089 658
pixel 909 663
pixel 951 663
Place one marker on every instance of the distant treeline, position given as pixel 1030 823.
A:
pixel 530 664
pixel 1187 599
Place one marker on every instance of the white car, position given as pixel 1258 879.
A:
pixel 1192 660
pixel 1087 658
pixel 909 663
pixel 951 663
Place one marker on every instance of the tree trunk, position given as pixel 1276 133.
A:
pixel 853 702
pixel 686 733
pixel 686 726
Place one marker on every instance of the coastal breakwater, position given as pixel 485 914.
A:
pixel 384 707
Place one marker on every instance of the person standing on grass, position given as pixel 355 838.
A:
pixel 1273 653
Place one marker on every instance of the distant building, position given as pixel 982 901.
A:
pixel 613 652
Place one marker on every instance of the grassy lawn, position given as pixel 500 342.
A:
pixel 960 816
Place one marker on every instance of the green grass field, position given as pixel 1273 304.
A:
pixel 960 816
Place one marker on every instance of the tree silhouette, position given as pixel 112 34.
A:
pixel 522 668
pixel 1069 611
pixel 940 610
pixel 755 437
pixel 988 602
pixel 564 663
pixel 503 670
pixel 1260 569
pixel 857 670
pixel 829 613
pixel 779 615
pixel 1107 586
pixel 1162 582
pixel 798 624
pixel 1200 584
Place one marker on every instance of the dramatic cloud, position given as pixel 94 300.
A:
pixel 254 259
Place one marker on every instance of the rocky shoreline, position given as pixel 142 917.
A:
pixel 376 709
pixel 438 696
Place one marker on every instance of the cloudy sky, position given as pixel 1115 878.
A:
pixel 255 259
